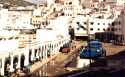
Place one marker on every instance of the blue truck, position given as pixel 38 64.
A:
pixel 93 49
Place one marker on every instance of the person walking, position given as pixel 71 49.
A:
pixel 71 33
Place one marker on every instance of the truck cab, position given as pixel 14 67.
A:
pixel 93 50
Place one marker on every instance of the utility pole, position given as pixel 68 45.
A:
pixel 88 33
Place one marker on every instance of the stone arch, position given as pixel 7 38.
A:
pixel 7 66
pixel 42 50
pixel 52 47
pixel 45 47
pixel 30 55
pixel 15 62
pixel 62 42
pixel 56 44
pixel 35 53
pixel 48 50
pixel 39 52
pixel 22 61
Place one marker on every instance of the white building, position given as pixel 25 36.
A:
pixel 20 18
pixel 120 2
pixel 3 18
pixel 71 8
pixel 119 25
pixel 40 47
pixel 16 18
pixel 84 23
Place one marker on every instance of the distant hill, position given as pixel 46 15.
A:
pixel 15 2
pixel 36 1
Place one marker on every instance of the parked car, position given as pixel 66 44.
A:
pixel 65 48
pixel 93 50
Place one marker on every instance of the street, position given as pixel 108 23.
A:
pixel 58 66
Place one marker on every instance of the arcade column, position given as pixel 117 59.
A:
pixel 11 64
pixel 26 62
pixel 3 64
pixel 19 61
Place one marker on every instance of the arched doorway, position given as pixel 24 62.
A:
pixel 48 51
pixel 40 55
pixel 7 66
pixel 22 61
pixel 15 62
pixel 36 55
pixel 42 52
pixel 45 51
pixel 30 54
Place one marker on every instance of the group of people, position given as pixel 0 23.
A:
pixel 17 72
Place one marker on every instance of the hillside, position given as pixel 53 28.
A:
pixel 15 2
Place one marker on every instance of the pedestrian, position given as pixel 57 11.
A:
pixel 71 33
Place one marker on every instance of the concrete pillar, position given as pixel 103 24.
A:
pixel 43 52
pixel 11 64
pixel 26 61
pixel 3 64
pixel 46 52
pixel 19 61
pixel 32 55
pixel 40 52
pixel 53 48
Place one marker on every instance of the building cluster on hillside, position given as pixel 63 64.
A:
pixel 39 31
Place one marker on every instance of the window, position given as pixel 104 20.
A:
pixel 98 29
pixel 10 38
pixel 119 23
pixel 77 22
pixel 108 29
pixel 16 37
pixel 62 14
pixel 103 23
pixel 85 23
pixel 118 16
pixel 109 24
pixel 77 28
pixel 112 29
pixel 42 23
pixel 0 38
pixel 98 23
pixel 91 29
pixel 113 23
pixel 103 29
pixel 70 3
pixel 115 29
pixel 91 23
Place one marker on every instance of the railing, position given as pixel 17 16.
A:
pixel 17 51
